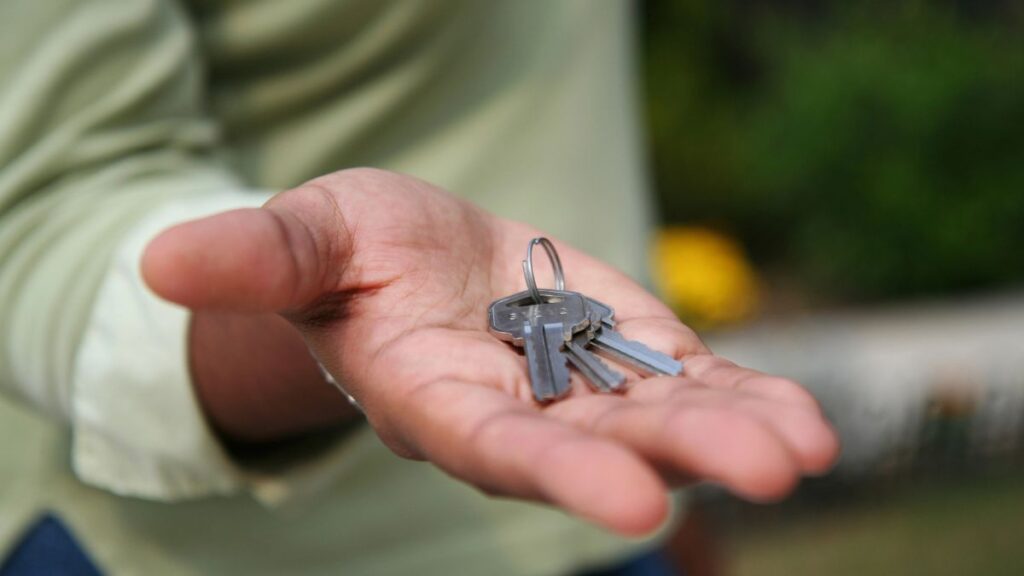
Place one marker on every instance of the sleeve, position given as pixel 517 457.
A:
pixel 103 142
pixel 138 427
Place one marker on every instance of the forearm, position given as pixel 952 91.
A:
pixel 256 379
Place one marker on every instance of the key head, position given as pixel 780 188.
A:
pixel 508 315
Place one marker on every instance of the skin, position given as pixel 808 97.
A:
pixel 387 280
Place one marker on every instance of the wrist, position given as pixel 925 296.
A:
pixel 256 380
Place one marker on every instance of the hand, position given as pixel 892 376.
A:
pixel 389 279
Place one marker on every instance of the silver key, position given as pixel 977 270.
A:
pixel 542 330
pixel 609 342
pixel 555 327
pixel 596 372
pixel 604 338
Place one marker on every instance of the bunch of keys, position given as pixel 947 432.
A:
pixel 558 327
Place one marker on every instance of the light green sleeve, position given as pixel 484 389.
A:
pixel 100 120
pixel 102 130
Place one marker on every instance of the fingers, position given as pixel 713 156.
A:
pixel 668 335
pixel 505 447
pixel 701 440
pixel 806 434
pixel 461 400
pixel 718 372
pixel 266 259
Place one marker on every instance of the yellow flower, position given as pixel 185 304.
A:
pixel 704 275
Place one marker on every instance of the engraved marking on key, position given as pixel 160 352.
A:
pixel 508 314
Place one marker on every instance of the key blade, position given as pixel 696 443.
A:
pixel 541 379
pixel 554 335
pixel 635 353
pixel 597 373
pixel 549 375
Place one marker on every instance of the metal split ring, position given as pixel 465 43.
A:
pixel 556 265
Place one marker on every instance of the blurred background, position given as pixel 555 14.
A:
pixel 842 193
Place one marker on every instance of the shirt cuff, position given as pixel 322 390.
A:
pixel 137 426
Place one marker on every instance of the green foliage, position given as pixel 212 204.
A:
pixel 870 149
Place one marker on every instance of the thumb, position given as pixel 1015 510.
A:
pixel 275 258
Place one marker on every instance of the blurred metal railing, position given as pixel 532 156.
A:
pixel 932 387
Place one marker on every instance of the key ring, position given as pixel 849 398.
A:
pixel 556 265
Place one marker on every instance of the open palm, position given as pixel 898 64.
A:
pixel 389 279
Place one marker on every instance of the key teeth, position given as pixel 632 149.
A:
pixel 562 383
pixel 620 380
pixel 559 366
pixel 545 356
pixel 617 380
pixel 539 394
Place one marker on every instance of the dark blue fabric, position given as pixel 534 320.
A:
pixel 649 564
pixel 48 549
